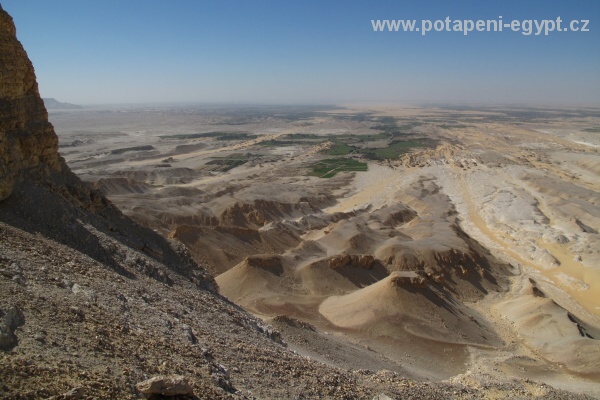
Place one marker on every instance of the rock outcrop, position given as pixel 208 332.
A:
pixel 268 262
pixel 355 260
pixel 53 104
pixel 408 279
pixel 172 385
pixel 28 144
pixel 11 320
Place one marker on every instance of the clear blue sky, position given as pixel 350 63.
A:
pixel 121 51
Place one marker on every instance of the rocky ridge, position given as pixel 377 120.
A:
pixel 28 144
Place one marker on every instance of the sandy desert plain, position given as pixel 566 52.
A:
pixel 444 243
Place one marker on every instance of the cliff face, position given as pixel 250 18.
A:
pixel 28 143
pixel 39 192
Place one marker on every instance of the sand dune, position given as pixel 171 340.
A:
pixel 252 278
pixel 552 331
pixel 405 303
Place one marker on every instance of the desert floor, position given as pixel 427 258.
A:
pixel 441 243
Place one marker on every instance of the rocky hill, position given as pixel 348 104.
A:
pixel 53 104
pixel 92 304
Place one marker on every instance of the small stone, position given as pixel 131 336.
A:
pixel 187 331
pixel 206 352
pixel 74 394
pixel 224 370
pixel 223 382
pixel 166 385
pixel 382 396
pixel 7 273
pixel 78 312
pixel 19 279
pixel 90 294
pixel 13 319
pixel 65 284
pixel 40 338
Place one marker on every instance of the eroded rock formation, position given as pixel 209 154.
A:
pixel 28 144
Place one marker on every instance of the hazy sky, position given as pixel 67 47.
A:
pixel 121 51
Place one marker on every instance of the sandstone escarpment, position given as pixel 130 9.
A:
pixel 28 144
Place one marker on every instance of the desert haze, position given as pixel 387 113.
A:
pixel 295 252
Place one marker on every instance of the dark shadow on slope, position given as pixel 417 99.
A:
pixel 62 211
pixel 432 297
pixel 361 276
pixel 494 271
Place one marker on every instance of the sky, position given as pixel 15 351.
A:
pixel 302 52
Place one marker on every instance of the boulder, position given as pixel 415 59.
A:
pixel 165 385
pixel 408 279
pixel 13 319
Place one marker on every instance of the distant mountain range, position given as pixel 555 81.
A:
pixel 53 104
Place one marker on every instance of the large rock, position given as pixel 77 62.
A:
pixel 408 279
pixel 355 260
pixel 11 320
pixel 171 385
pixel 28 144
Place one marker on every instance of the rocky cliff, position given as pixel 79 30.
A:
pixel 28 144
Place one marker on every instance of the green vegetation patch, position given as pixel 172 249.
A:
pixel 358 117
pixel 304 136
pixel 237 136
pixel 136 148
pixel 394 150
pixel 596 129
pixel 390 127
pixel 328 168
pixel 355 139
pixel 454 126
pixel 339 149
pixel 279 143
pixel 294 139
pixel 215 135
